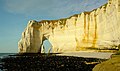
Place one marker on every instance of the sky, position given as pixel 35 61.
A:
pixel 15 14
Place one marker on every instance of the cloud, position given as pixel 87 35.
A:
pixel 51 9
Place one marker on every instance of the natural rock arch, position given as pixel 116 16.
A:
pixel 95 29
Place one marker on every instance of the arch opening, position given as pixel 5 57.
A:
pixel 46 46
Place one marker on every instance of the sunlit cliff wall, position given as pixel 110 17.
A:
pixel 98 28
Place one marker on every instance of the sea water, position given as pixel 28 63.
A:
pixel 6 54
pixel 2 55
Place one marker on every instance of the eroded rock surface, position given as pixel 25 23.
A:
pixel 98 28
pixel 110 65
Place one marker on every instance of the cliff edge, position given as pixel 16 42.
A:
pixel 95 29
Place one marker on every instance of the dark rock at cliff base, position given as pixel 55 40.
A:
pixel 45 62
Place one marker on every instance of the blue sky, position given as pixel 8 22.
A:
pixel 15 14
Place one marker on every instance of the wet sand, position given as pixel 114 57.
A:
pixel 88 54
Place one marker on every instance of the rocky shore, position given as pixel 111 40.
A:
pixel 47 62
pixel 112 64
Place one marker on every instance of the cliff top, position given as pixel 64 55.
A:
pixel 76 15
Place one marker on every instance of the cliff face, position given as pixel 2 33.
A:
pixel 96 29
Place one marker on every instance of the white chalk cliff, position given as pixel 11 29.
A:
pixel 99 28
